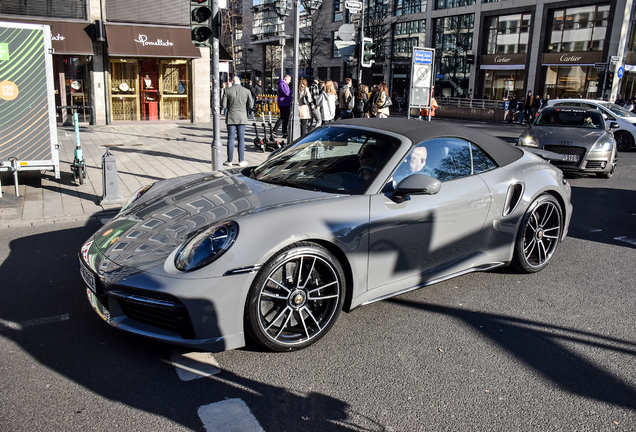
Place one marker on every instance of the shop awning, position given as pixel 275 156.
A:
pixel 68 38
pixel 142 41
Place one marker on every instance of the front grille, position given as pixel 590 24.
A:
pixel 567 150
pixel 165 314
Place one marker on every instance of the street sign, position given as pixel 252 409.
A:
pixel 600 66
pixel 346 32
pixel 345 47
pixel 353 5
pixel 615 59
pixel 620 72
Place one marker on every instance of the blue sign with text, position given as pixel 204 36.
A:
pixel 423 57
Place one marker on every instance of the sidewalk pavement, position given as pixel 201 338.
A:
pixel 145 152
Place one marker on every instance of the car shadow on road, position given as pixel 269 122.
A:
pixel 40 279
pixel 544 348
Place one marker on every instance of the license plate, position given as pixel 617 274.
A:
pixel 88 277
pixel 97 306
pixel 571 158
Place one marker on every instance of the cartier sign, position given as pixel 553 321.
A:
pixel 580 58
pixel 502 60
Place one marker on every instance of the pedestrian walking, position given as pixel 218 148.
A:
pixel 345 100
pixel 546 99
pixel 512 108
pixel 252 90
pixel 314 89
pixel 304 102
pixel 284 105
pixel 236 99
pixel 379 108
pixel 361 99
pixel 526 106
pixel 536 106
pixel 328 102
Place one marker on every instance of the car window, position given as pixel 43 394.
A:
pixel 330 159
pixel 481 161
pixel 618 110
pixel 570 117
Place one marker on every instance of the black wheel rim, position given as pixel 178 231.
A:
pixel 298 299
pixel 622 142
pixel 542 233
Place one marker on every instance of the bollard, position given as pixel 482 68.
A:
pixel 110 181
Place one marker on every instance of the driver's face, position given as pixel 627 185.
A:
pixel 417 159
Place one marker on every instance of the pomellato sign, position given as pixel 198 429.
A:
pixel 143 40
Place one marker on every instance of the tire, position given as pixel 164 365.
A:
pixel 607 175
pixel 286 310
pixel 81 177
pixel 539 235
pixel 624 141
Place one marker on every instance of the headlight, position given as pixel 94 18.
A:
pixel 206 246
pixel 134 197
pixel 602 146
pixel 527 141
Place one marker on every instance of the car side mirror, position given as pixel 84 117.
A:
pixel 416 184
pixel 614 125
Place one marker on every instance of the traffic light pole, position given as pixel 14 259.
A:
pixel 217 150
pixel 294 125
pixel 361 44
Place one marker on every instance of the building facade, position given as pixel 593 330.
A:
pixel 484 49
pixel 125 60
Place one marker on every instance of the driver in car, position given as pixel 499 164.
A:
pixel 415 163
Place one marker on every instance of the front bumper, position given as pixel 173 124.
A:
pixel 201 313
pixel 579 159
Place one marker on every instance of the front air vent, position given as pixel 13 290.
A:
pixel 513 197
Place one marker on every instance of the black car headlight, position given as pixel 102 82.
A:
pixel 206 246
pixel 135 196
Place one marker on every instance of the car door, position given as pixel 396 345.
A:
pixel 413 239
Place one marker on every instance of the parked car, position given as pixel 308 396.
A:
pixel 354 212
pixel 625 134
pixel 580 135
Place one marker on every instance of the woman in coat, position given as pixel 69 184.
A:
pixel 328 103
pixel 361 99
pixel 304 101
pixel 378 109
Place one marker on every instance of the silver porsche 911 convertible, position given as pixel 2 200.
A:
pixel 354 212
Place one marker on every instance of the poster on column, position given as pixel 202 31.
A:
pixel 422 73
pixel 28 130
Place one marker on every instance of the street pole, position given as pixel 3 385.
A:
pixel 295 123
pixel 361 44
pixel 217 150
pixel 282 57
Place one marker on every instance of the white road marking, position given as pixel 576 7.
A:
pixel 21 326
pixel 230 415
pixel 193 365
pixel 626 240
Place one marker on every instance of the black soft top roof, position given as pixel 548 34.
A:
pixel 418 131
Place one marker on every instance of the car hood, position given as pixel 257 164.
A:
pixel 172 210
pixel 578 137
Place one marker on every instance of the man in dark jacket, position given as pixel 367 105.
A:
pixel 512 107
pixel 237 99
pixel 526 106
pixel 284 105
pixel 250 87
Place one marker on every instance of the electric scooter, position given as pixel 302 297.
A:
pixel 270 142
pixel 78 167
pixel 259 144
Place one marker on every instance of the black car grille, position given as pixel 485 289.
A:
pixel 166 314
pixel 567 150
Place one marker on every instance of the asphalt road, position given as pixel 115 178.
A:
pixel 489 351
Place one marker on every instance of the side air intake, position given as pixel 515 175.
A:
pixel 512 198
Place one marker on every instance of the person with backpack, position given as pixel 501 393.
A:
pixel 361 99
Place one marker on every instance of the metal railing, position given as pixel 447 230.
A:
pixel 472 103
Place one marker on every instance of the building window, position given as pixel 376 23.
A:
pixel 75 9
pixel 579 29
pixel 508 34
pixel 449 4
pixel 335 52
pixel 407 7
pixel 453 39
pixel 407 35
pixel 338 10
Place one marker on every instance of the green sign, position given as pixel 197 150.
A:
pixel 4 51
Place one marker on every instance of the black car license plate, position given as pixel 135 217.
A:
pixel 88 277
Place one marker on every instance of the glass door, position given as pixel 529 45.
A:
pixel 124 90
pixel 174 85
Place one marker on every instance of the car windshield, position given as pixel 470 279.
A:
pixel 579 118
pixel 330 159
pixel 617 110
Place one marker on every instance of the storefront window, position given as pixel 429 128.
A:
pixel 572 82
pixel 503 84
pixel 149 89
pixel 71 87
pixel 579 29
pixel 508 34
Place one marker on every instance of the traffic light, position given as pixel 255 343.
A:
pixel 368 55
pixel 610 78
pixel 201 21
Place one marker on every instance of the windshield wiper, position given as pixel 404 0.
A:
pixel 282 182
